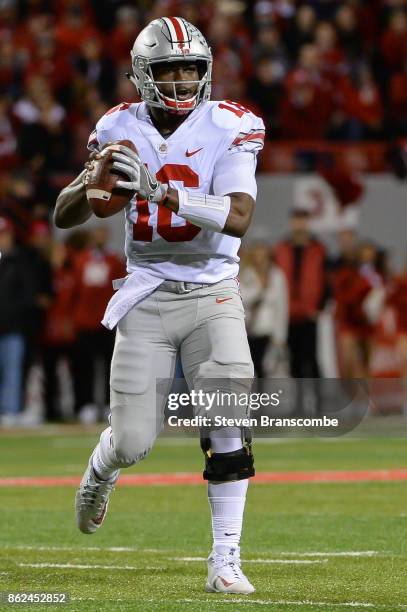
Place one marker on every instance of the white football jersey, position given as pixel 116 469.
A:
pixel 213 151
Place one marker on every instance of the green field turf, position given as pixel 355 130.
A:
pixel 297 529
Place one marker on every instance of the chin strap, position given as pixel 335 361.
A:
pixel 172 105
pixel 179 106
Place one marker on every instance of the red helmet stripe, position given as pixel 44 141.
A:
pixel 179 29
pixel 171 30
pixel 184 29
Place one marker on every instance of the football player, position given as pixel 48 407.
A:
pixel 194 178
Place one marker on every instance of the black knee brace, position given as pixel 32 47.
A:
pixel 224 467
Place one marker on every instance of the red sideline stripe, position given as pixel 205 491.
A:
pixel 188 478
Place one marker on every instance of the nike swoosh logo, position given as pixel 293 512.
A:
pixel 225 582
pixel 230 534
pixel 190 153
pixel 221 300
pixel 98 520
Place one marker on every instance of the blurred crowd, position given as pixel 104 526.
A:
pixel 313 69
pixel 288 287
pixel 56 296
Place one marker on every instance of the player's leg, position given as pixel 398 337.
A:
pixel 218 349
pixel 11 376
pixel 50 358
pixel 84 374
pixel 350 355
pixel 142 352
pixel 310 366
pixel 225 460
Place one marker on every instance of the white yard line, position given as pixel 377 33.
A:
pixel 87 548
pixel 288 561
pixel 268 602
pixel 87 566
pixel 282 602
pixel 131 567
pixel 347 553
pixel 262 602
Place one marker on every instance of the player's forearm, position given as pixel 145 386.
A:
pixel 72 207
pixel 240 215
pixel 237 218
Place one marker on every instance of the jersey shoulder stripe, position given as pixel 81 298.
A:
pixel 255 135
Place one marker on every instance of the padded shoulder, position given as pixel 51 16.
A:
pixel 246 129
pixel 112 125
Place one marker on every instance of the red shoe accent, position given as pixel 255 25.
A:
pixel 225 582
pixel 100 518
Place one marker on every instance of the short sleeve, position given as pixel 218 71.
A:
pixel 235 168
pixel 250 135
pixel 235 172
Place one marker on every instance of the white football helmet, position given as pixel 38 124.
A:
pixel 170 39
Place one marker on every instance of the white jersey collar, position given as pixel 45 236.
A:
pixel 143 113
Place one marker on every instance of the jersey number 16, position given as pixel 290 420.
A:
pixel 144 232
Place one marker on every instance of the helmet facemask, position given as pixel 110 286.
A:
pixel 149 91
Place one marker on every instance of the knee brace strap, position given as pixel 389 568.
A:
pixel 224 467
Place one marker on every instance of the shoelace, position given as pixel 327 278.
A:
pixel 95 493
pixel 235 569
pixel 232 561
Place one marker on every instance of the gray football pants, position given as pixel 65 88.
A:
pixel 205 324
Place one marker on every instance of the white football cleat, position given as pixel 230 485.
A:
pixel 225 574
pixel 92 499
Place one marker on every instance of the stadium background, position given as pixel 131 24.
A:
pixel 330 80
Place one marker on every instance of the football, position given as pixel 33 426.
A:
pixel 103 196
